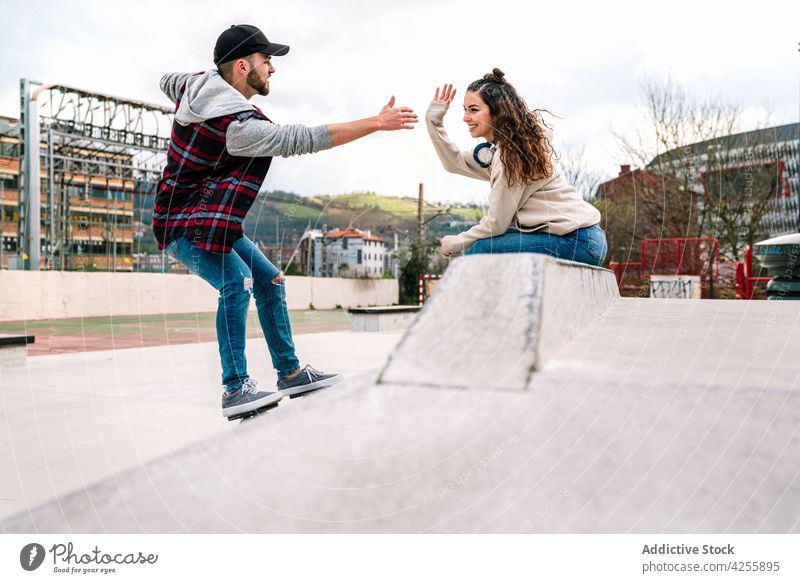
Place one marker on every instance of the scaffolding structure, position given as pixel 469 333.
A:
pixel 88 170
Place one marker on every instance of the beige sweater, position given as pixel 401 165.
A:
pixel 549 205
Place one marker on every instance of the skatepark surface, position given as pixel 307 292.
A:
pixel 526 397
pixel 69 420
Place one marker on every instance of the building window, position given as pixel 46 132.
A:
pixel 10 150
pixel 359 257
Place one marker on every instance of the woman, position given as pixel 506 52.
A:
pixel 531 207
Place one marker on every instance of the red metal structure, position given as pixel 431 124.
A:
pixel 625 272
pixel 747 281
pixel 688 256
pixel 422 279
pixel 681 256
pixel 698 256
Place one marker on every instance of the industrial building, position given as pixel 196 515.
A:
pixel 759 164
pixel 77 174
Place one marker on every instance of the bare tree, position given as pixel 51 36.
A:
pixel 577 171
pixel 623 228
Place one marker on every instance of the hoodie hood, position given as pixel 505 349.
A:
pixel 208 96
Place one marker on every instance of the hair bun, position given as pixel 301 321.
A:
pixel 496 75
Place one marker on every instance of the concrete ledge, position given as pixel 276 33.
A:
pixel 41 295
pixel 380 310
pixel 13 349
pixel 661 416
pixel 383 318
pixel 495 319
pixel 16 340
pixel 654 440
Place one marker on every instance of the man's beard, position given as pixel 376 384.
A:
pixel 261 86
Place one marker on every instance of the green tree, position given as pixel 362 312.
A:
pixel 293 269
pixel 419 262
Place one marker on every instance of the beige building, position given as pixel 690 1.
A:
pixel 346 252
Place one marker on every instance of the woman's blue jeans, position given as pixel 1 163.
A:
pixel 587 245
pixel 236 275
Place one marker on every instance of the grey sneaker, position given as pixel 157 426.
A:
pixel 247 399
pixel 307 380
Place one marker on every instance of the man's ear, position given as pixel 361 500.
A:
pixel 241 66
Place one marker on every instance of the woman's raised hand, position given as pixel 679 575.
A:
pixel 396 118
pixel 445 96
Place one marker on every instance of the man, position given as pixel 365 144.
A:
pixel 220 152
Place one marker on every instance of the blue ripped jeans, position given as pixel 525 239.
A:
pixel 236 275
pixel 587 245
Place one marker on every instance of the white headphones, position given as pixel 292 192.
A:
pixel 483 154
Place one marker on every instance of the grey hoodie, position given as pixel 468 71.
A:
pixel 208 96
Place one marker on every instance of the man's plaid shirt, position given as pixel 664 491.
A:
pixel 205 192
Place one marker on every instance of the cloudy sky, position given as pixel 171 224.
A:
pixel 583 61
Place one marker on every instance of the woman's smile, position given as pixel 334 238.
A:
pixel 477 116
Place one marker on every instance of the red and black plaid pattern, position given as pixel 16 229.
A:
pixel 205 193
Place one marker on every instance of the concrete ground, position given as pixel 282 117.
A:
pixel 69 420
pixel 670 416
pixel 678 416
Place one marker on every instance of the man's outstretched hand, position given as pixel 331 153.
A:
pixel 396 118
pixel 389 119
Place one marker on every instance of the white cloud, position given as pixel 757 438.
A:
pixel 580 60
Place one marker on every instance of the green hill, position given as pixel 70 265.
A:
pixel 400 207
pixel 383 215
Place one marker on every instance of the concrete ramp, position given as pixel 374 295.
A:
pixel 671 416
pixel 495 319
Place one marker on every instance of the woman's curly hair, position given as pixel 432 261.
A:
pixel 526 151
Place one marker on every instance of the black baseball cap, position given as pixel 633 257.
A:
pixel 241 40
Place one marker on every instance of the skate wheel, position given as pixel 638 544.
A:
pixel 254 413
